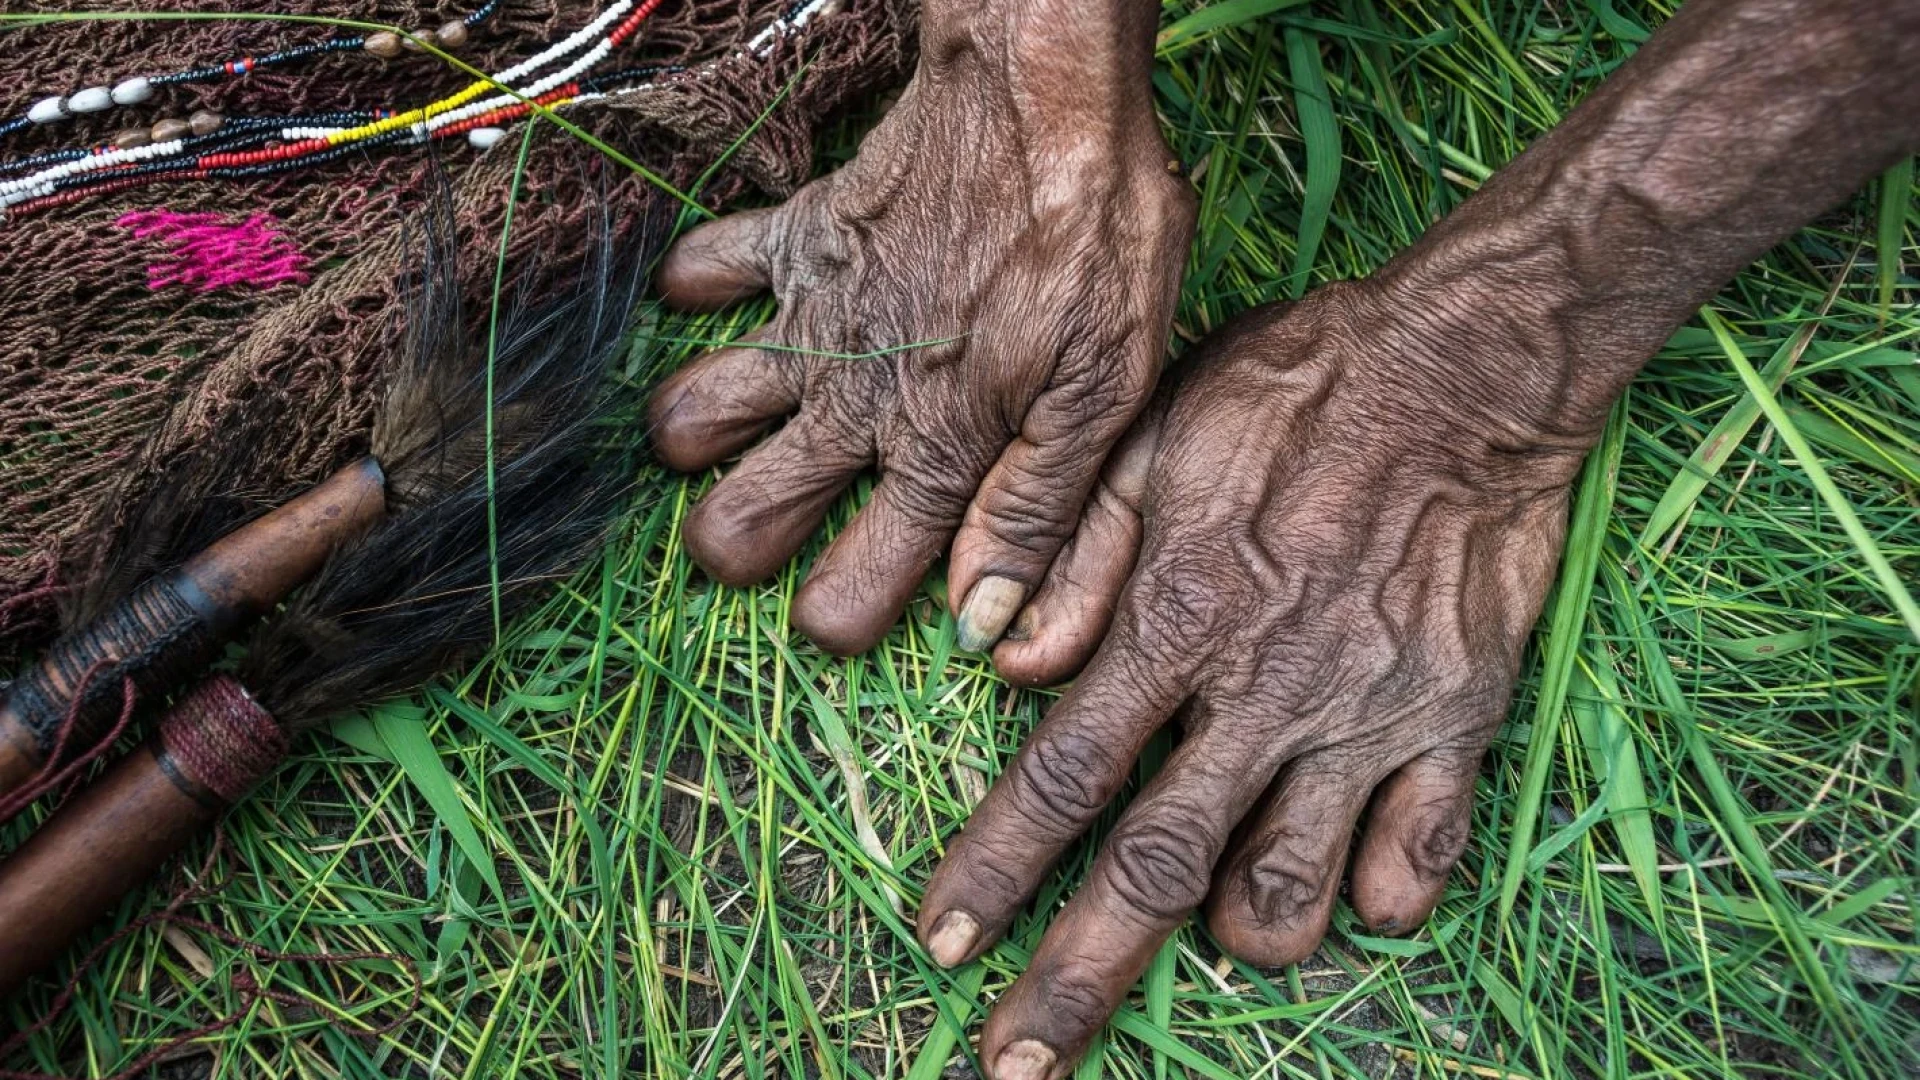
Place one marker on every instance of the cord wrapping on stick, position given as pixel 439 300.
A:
pixel 219 740
pixel 155 636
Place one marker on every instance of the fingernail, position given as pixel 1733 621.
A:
pixel 953 938
pixel 991 605
pixel 1387 925
pixel 1028 1059
pixel 1022 628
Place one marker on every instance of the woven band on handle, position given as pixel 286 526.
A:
pixel 220 741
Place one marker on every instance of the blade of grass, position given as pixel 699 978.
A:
pixel 1869 549
pixel 1216 17
pixel 1586 535
pixel 1896 205
pixel 403 728
pixel 1313 104
pixel 1718 447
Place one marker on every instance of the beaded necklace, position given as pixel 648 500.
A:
pixel 138 89
pixel 210 146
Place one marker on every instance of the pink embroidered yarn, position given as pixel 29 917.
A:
pixel 207 252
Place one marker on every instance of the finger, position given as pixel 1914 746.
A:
pixel 1274 897
pixel 1415 832
pixel 1103 368
pixel 716 406
pixel 862 582
pixel 1152 873
pixel 1069 770
pixel 1028 503
pixel 719 262
pixel 759 514
pixel 1056 633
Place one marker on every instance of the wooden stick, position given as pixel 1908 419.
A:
pixel 211 747
pixel 173 625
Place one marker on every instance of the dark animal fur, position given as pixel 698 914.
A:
pixel 415 595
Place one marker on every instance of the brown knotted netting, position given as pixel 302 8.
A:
pixel 118 346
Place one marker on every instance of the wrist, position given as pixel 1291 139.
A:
pixel 1069 72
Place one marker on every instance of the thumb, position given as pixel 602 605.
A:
pixel 1058 631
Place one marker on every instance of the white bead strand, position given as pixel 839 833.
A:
pixel 91 100
pixel 133 91
pixel 51 110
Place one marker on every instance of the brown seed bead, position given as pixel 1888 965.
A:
pixel 132 139
pixel 419 41
pixel 385 44
pixel 169 130
pixel 205 122
pixel 453 35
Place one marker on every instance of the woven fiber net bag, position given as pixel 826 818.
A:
pixel 136 321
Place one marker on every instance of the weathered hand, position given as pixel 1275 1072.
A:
pixel 1352 510
pixel 978 304
pixel 1348 536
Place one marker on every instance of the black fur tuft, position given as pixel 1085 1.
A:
pixel 415 595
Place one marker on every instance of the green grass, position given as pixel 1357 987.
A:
pixel 655 834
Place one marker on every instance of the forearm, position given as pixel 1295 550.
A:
pixel 1736 124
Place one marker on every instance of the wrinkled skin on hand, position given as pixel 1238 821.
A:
pixel 977 305
pixel 1345 547
pixel 1350 512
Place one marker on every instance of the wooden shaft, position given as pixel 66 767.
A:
pixel 96 849
pixel 209 750
pixel 174 625
pixel 250 569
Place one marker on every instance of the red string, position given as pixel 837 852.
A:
pixel 250 990
pixel 36 603
pixel 53 774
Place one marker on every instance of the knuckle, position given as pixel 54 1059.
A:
pixel 1075 1002
pixel 1061 778
pixel 1036 514
pixel 986 872
pixel 1438 839
pixel 1181 604
pixel 933 497
pixel 1101 394
pixel 1161 867
pixel 806 242
pixel 1285 881
pixel 1196 600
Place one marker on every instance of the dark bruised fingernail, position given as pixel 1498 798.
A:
pixel 991 605
pixel 953 938
pixel 1028 1059
pixel 1022 628
pixel 1387 926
